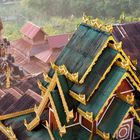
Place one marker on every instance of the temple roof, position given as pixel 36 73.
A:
pixel 83 48
pixel 114 116
pixel 101 65
pixel 129 34
pixel 104 92
pixel 97 71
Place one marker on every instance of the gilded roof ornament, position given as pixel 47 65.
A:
pixel 97 23
pixel 63 70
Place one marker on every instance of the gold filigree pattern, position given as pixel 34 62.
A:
pixel 105 136
pixel 63 70
pixel 7 131
pixel 97 24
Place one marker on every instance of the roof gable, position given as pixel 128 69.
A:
pixel 30 30
pixel 83 50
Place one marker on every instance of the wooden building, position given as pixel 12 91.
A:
pixel 90 93
pixel 35 49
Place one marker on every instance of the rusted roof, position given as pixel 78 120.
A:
pixel 30 30
pixel 58 41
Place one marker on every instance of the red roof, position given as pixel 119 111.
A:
pixel 21 45
pixel 58 41
pixel 30 30
pixel 44 56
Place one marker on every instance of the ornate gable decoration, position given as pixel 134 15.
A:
pixel 97 24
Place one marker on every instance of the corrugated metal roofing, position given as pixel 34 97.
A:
pixel 30 30
pixel 58 41
pixel 45 55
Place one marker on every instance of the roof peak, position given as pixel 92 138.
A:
pixel 97 24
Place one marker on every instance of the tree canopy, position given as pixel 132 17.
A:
pixel 95 8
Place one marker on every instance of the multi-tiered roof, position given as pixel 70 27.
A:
pixel 84 82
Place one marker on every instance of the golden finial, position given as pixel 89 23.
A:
pixel 97 23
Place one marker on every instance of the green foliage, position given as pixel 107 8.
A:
pixel 96 8
pixel 62 16
pixel 11 31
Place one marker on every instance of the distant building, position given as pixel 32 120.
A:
pixel 36 49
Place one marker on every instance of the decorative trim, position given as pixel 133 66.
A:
pixel 61 128
pixel 111 95
pixel 133 81
pixel 127 59
pixel 65 105
pixel 128 98
pixel 49 130
pixel 63 70
pixel 95 59
pixel 97 24
pixel 104 75
pixel 135 114
pixel 16 114
pixel 46 77
pixel 79 97
pixel 38 110
pixel 118 46
pixel 105 136
pixel 7 131
pixel 86 115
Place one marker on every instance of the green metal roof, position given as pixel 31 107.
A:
pixel 114 116
pixel 103 92
pixel 82 49
pixel 73 133
pixel 96 73
pixel 59 106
